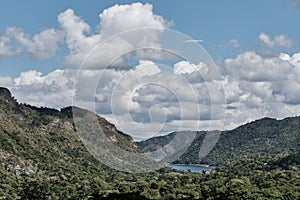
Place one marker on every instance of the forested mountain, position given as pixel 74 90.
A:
pixel 40 147
pixel 264 137
pixel 42 157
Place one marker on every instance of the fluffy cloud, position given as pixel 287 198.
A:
pixel 53 90
pixel 10 42
pixel 253 67
pixel 278 41
pixel 185 67
pixel 148 97
pixel 45 44
pixel 196 73
pixel 259 86
pixel 135 15
pixel 75 29
pixel 84 46
pixel 108 46
pixel 5 49
pixel 294 60
pixel 41 46
pixel 273 47
pixel 148 100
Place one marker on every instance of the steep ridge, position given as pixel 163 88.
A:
pixel 41 143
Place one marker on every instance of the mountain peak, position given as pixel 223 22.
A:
pixel 5 95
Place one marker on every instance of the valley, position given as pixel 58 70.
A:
pixel 42 157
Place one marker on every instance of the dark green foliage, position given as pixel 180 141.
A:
pixel 191 155
pixel 292 160
pixel 42 157
pixel 264 137
pixel 42 144
pixel 44 110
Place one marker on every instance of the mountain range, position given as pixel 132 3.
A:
pixel 263 137
pixel 43 157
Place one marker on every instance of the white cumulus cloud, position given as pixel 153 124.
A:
pixel 102 48
pixel 52 90
pixel 41 46
pixel 258 86
pixel 273 46
pixel 253 67
pixel 10 42
pixel 278 41
pixel 45 44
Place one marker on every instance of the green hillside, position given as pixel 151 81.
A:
pixel 42 157
pixel 39 146
pixel 264 137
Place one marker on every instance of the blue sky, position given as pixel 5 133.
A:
pixel 255 45
pixel 215 22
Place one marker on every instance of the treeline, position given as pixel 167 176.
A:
pixel 249 178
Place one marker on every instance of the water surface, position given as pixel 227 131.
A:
pixel 192 168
